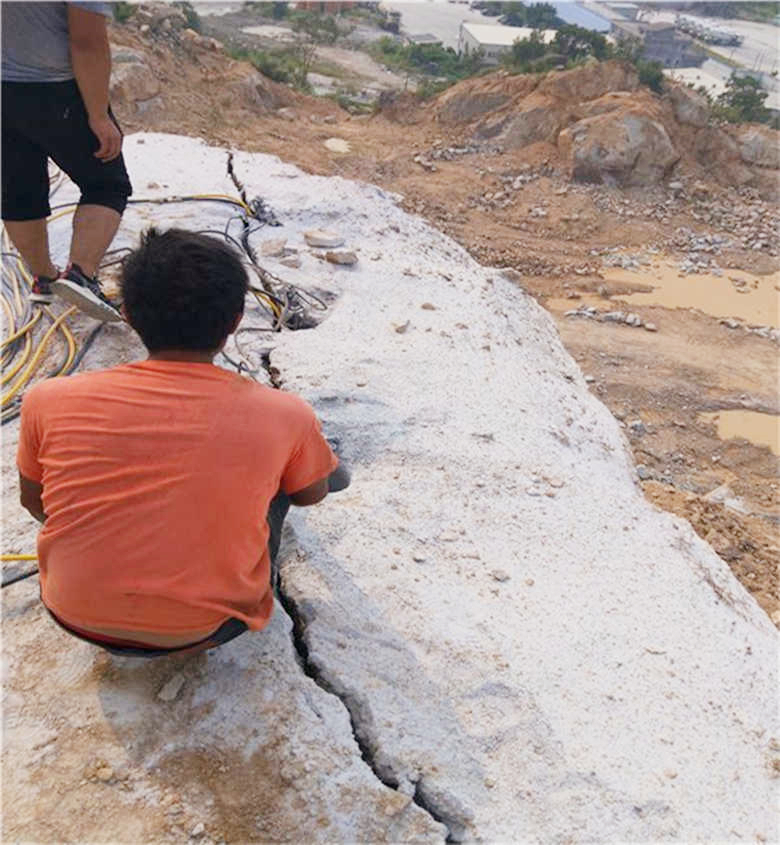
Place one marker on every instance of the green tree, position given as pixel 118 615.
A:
pixel 575 42
pixel 526 50
pixel 313 29
pixel 123 11
pixel 651 74
pixel 743 101
pixel 543 16
pixel 514 14
pixel 192 17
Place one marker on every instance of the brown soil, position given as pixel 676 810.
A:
pixel 691 364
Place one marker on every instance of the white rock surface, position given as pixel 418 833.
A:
pixel 619 685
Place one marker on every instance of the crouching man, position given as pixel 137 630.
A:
pixel 153 480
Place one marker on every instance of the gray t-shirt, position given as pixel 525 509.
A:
pixel 35 42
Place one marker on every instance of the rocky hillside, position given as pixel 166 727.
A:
pixel 169 78
pixel 598 123
pixel 609 129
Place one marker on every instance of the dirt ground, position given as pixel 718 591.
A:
pixel 657 382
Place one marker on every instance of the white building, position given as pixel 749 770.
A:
pixel 494 39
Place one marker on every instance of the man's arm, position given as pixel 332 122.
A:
pixel 90 56
pixel 312 494
pixel 30 496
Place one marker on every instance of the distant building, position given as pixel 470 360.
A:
pixel 661 42
pixel 628 11
pixel 494 39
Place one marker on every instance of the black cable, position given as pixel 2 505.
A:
pixel 7 583
pixel 85 347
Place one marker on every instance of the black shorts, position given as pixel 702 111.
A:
pixel 43 120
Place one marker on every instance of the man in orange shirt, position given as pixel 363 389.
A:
pixel 153 480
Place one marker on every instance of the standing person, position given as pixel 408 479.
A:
pixel 162 484
pixel 56 67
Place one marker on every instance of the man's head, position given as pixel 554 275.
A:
pixel 183 291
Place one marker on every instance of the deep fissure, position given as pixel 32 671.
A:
pixel 311 671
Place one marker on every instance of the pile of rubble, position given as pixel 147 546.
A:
pixel 627 318
pixel 163 22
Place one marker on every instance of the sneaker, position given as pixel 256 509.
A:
pixel 41 290
pixel 76 287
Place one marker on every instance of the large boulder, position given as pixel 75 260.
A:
pixel 589 82
pixel 537 118
pixel 689 107
pixel 719 154
pixel 133 84
pixel 472 99
pixel 623 147
pixel 758 145
pixel 258 93
pixel 602 105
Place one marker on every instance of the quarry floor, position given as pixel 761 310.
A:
pixel 491 636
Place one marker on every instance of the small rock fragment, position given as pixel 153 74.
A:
pixel 293 261
pixel 643 472
pixel 428 306
pixel 323 239
pixel 500 575
pixel 341 256
pixel 105 773
pixel 172 688
pixel 651 327
pixel 198 830
pixel 402 328
pixel 273 247
pixel 337 145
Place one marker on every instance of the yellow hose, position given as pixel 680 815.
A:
pixel 9 374
pixel 24 329
pixel 18 557
pixel 9 395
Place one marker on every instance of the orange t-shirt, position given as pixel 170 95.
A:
pixel 157 478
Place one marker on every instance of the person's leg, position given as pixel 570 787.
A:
pixel 31 239
pixel 277 511
pixel 94 227
pixel 25 183
pixel 104 187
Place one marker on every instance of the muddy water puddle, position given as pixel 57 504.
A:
pixel 751 299
pixel 760 429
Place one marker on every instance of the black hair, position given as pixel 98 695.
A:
pixel 183 290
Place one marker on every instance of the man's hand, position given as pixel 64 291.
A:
pixel 30 496
pixel 108 135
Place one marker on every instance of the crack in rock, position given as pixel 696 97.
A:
pixel 360 720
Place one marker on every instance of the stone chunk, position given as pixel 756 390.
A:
pixel 341 256
pixel 323 239
pixel 273 247
pixel 172 688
